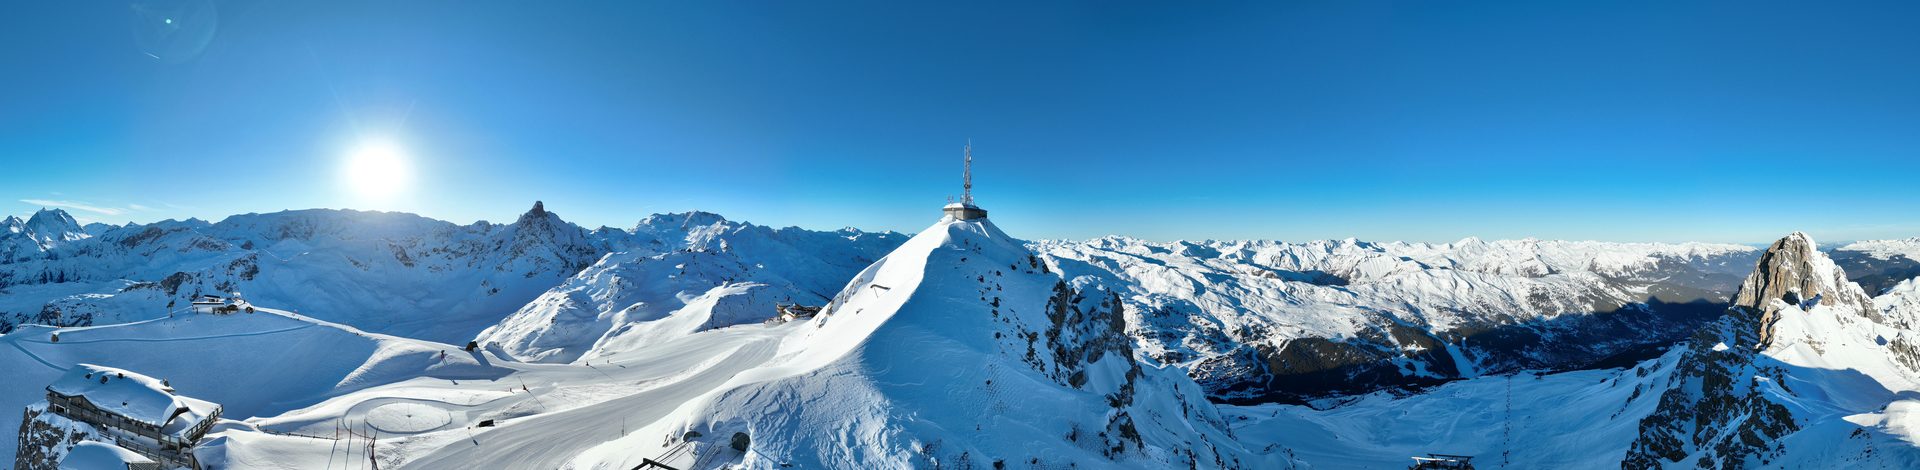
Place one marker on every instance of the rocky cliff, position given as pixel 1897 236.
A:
pixel 46 437
pixel 1800 356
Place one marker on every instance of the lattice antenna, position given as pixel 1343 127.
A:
pixel 966 196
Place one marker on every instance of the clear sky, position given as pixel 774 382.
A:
pixel 1421 120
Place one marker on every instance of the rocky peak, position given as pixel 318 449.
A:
pixel 51 223
pixel 12 225
pixel 544 236
pixel 538 213
pixel 681 221
pixel 1794 273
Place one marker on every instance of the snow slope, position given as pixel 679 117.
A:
pixel 1572 420
pixel 374 270
pixel 259 364
pixel 400 273
pixel 959 348
pixel 684 273
pixel 1804 371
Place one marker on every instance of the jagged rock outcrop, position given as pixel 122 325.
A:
pixel 46 437
pixel 1745 384
pixel 1793 272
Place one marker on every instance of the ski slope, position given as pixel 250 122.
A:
pixel 259 364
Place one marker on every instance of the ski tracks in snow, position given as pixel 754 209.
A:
pixel 553 439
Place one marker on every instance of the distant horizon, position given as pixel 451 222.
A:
pixel 1824 243
pixel 1712 121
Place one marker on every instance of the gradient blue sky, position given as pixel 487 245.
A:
pixel 1431 121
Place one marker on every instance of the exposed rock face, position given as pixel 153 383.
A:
pixel 46 437
pixel 1794 272
pixel 1713 410
pixel 1719 411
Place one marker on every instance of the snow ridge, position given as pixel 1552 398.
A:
pixel 958 348
pixel 1802 371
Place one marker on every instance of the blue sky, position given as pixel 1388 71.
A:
pixel 1431 121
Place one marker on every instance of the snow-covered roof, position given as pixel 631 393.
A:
pixel 197 410
pixel 96 455
pixel 134 396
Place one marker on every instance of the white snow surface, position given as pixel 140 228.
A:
pixel 408 275
pixel 1572 420
pixel 709 273
pixel 260 364
pixel 1198 302
pixel 958 346
pixel 919 362
pixel 96 455
pixel 1886 249
pixel 128 394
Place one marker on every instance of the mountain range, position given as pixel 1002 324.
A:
pixel 964 346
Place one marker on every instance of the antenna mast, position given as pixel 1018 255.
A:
pixel 966 197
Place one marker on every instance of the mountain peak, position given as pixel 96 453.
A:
pixel 1794 273
pixel 50 227
pixel 538 216
pixel 54 220
pixel 680 220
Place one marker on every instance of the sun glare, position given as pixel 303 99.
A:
pixel 376 173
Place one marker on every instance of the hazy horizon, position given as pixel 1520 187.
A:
pixel 1825 243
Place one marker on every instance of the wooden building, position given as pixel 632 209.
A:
pixel 141 413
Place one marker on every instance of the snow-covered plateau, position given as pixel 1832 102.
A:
pixel 691 341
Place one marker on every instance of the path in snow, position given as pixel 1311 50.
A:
pixel 171 339
pixel 35 357
pixel 551 440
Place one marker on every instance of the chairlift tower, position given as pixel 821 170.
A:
pixel 965 210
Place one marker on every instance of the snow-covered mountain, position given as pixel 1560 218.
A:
pixel 964 347
pixel 386 272
pixel 1804 370
pixel 1879 264
pixel 679 274
pixel 1263 321
pixel 959 349
pixel 45 230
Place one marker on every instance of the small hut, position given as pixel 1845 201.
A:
pixel 1442 462
pixel 791 312
pixel 208 303
pixel 221 305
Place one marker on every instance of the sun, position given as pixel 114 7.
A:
pixel 376 172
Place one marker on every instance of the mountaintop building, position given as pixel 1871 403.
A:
pixel 964 209
pixel 140 413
